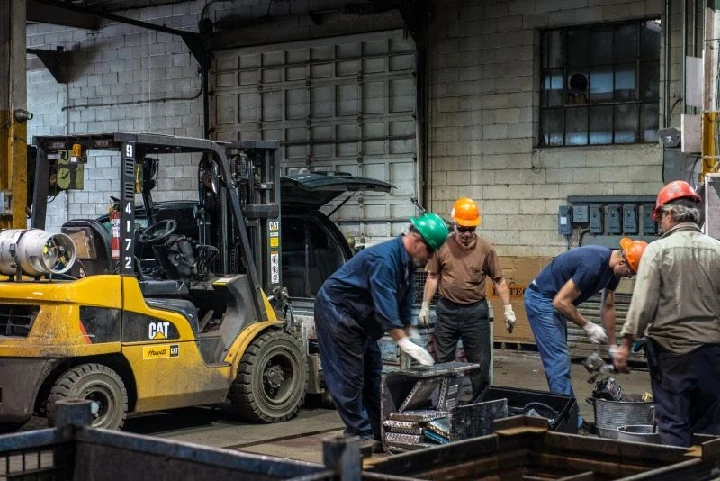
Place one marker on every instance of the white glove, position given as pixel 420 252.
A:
pixel 596 333
pixel 416 352
pixel 612 349
pixel 509 318
pixel 424 316
pixel 413 333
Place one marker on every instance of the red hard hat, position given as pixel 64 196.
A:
pixel 678 189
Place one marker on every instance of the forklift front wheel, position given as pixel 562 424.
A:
pixel 96 383
pixel 272 378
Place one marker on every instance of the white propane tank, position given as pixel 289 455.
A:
pixel 36 251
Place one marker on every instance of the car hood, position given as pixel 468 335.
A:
pixel 317 189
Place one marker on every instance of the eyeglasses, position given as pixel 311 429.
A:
pixel 464 229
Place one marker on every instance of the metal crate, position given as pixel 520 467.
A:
pixel 74 452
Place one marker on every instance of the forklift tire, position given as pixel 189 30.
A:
pixel 97 383
pixel 272 379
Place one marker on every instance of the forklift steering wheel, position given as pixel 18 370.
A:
pixel 157 232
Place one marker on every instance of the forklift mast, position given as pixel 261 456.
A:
pixel 255 170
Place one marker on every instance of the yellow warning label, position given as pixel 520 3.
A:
pixel 274 242
pixel 161 352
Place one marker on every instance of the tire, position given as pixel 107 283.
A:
pixel 272 379
pixel 97 383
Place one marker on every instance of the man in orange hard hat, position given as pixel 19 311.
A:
pixel 552 298
pixel 460 269
pixel 676 305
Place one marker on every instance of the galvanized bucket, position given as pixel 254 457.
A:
pixel 610 415
pixel 640 433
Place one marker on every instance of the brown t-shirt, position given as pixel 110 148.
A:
pixel 462 273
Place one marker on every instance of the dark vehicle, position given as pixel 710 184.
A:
pixel 312 245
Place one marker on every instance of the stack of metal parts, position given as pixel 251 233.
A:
pixel 422 419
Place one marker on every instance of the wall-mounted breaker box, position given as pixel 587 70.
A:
pixel 614 219
pixel 597 222
pixel 630 219
pixel 580 214
pixel 649 225
pixel 564 220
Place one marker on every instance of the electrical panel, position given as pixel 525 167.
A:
pixel 564 220
pixel 649 224
pixel 597 224
pixel 580 214
pixel 630 224
pixel 614 219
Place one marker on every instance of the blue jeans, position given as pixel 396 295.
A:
pixel 550 330
pixel 352 369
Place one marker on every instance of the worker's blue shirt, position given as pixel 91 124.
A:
pixel 587 266
pixel 375 288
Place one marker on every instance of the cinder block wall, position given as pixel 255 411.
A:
pixel 122 78
pixel 484 79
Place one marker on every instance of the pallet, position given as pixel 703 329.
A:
pixel 515 346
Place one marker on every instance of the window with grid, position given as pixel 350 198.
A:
pixel 601 84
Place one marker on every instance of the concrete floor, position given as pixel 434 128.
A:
pixel 301 438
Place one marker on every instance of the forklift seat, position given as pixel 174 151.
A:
pixel 92 246
pixel 181 306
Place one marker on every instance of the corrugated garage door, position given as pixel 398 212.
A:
pixel 342 104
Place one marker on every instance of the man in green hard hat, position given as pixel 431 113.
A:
pixel 370 295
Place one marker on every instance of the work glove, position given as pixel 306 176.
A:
pixel 509 318
pixel 416 352
pixel 612 350
pixel 596 333
pixel 424 316
pixel 413 333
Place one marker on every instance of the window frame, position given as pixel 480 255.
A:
pixel 641 105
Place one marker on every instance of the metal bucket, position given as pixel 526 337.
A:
pixel 610 415
pixel 641 433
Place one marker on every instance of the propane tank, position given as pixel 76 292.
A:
pixel 115 229
pixel 36 252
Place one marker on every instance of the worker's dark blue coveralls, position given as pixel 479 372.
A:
pixel 369 295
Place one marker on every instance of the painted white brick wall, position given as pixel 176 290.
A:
pixel 123 78
pixel 483 119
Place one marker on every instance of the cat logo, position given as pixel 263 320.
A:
pixel 158 330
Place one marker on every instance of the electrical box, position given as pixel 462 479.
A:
pixel 564 220
pixel 597 223
pixel 649 225
pixel 630 224
pixel 580 214
pixel 614 219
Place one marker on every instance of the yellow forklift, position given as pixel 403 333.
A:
pixel 83 315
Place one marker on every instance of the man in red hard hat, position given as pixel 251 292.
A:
pixel 460 269
pixel 676 306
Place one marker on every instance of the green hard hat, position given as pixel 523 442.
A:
pixel 432 228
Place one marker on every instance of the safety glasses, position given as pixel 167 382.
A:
pixel 462 229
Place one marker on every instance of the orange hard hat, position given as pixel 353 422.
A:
pixel 466 212
pixel 678 189
pixel 632 251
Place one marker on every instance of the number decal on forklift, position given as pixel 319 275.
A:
pixel 128 262
pixel 129 150
pixel 128 208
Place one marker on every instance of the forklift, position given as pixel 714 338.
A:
pixel 84 317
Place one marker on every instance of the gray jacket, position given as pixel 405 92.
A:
pixel 677 291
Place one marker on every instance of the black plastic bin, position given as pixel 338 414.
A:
pixel 566 420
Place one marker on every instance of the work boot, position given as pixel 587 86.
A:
pixel 368 447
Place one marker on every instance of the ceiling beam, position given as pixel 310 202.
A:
pixel 46 13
